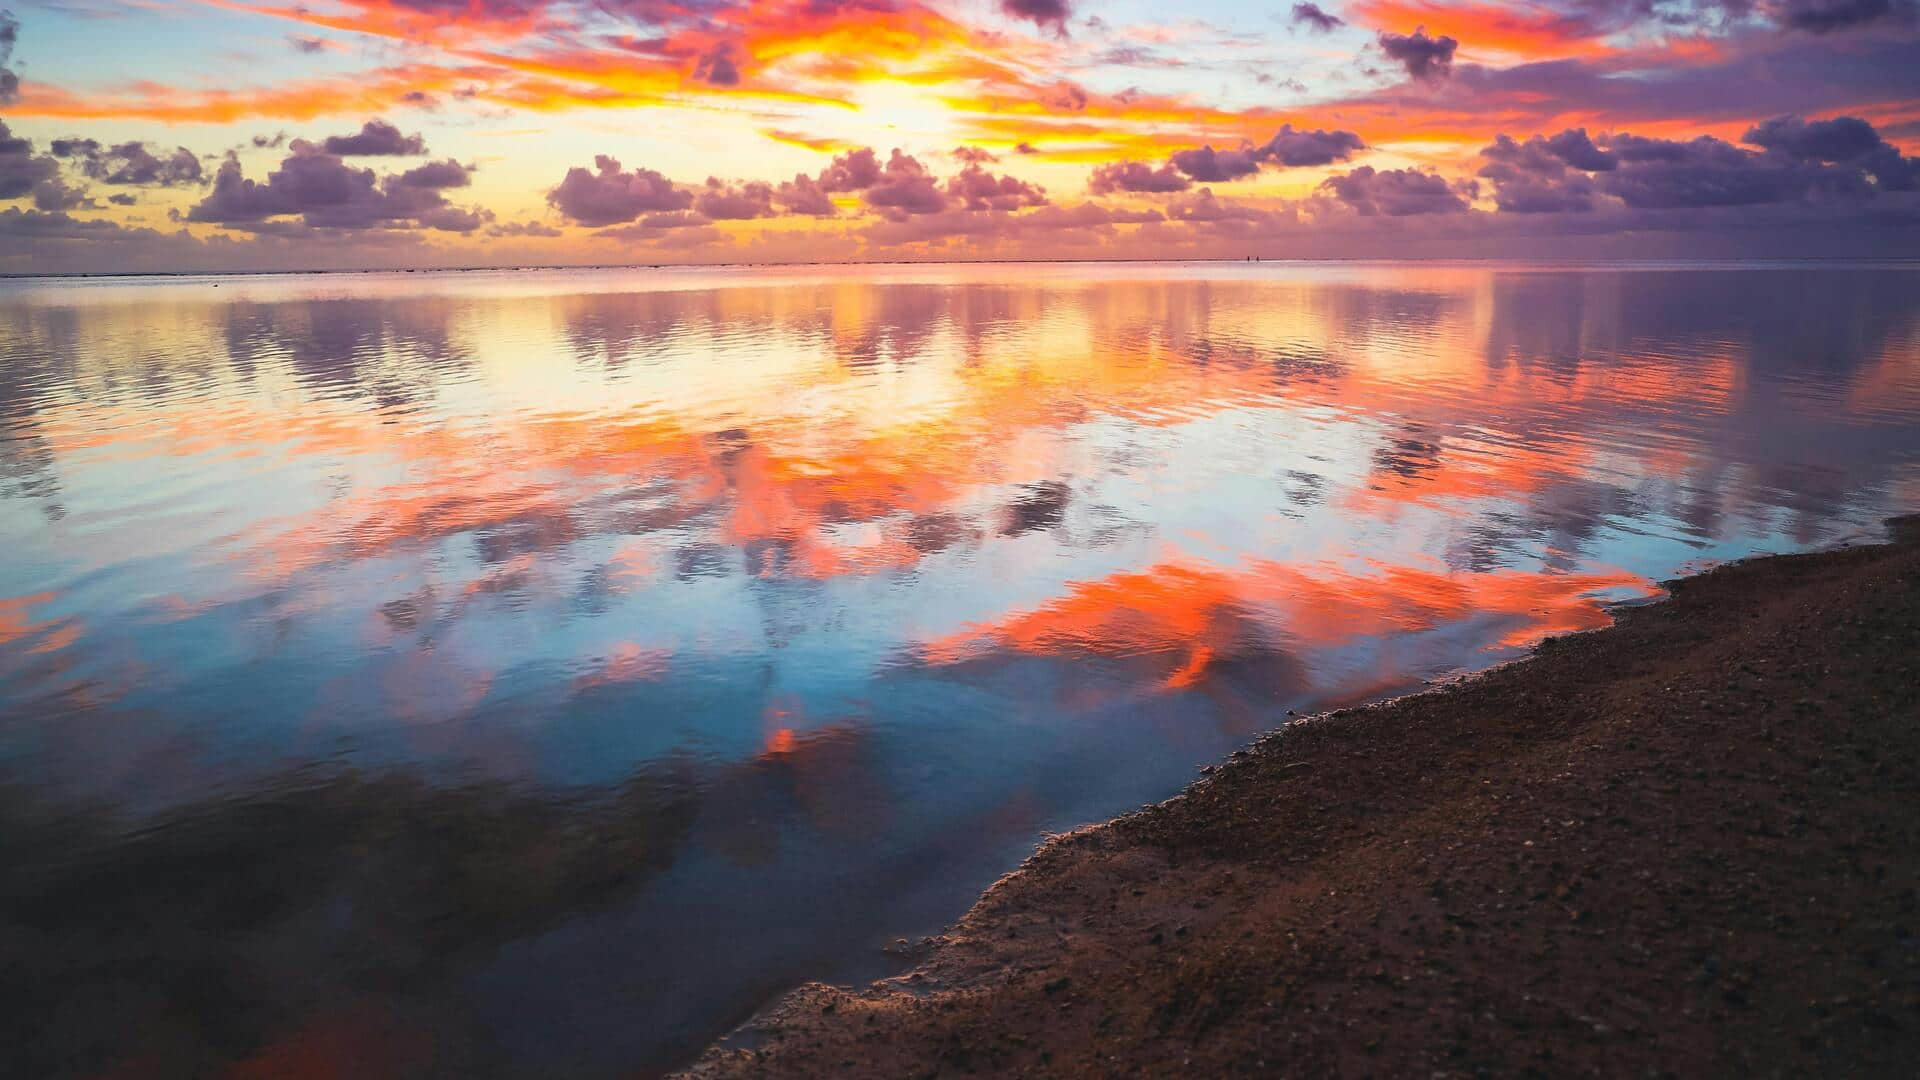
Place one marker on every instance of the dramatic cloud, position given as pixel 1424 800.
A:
pixel 21 170
pixel 904 188
pixel 1395 192
pixel 56 194
pixel 1843 140
pixel 436 176
pixel 1311 17
pixel 1822 161
pixel 1292 149
pixel 131 163
pixel 326 193
pixel 1047 14
pixel 376 138
pixel 855 170
pixel 1209 166
pixel 608 196
pixel 1428 59
pixel 1536 178
pixel 1664 174
pixel 1136 176
pixel 1288 148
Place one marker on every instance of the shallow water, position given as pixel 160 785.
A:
pixel 533 672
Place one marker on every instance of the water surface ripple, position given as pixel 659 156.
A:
pixel 534 672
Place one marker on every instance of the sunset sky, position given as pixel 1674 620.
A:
pixel 263 134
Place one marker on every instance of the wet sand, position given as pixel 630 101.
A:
pixel 1688 843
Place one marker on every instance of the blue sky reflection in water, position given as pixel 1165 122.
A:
pixel 729 624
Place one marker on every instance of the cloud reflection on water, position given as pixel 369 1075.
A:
pixel 884 571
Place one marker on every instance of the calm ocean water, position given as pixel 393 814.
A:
pixel 534 672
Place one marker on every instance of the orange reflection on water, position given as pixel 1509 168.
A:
pixel 1181 618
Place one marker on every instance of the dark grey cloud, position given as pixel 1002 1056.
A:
pixel 1395 192
pixel 1046 14
pixel 1576 148
pixel 1288 148
pixel 1827 16
pixel 1838 160
pixel 1534 177
pixel 302 43
pixel 1428 59
pixel 1842 140
pixel 1663 174
pixel 376 138
pixel 40 225
pixel 1293 149
pixel 132 164
pixel 1136 176
pixel 610 196
pixel 1206 165
pixel 56 194
pixel 1313 18
pixel 436 176
pixel 21 170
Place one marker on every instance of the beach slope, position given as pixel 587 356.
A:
pixel 1689 843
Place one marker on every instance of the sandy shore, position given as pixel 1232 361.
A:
pixel 1686 844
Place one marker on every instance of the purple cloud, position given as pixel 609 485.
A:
pixel 609 196
pixel 730 202
pixel 977 189
pixel 326 193
pixel 1289 148
pixel 1046 14
pixel 1535 178
pixel 1827 16
pixel 805 195
pixel 1293 149
pixel 1136 176
pixel 1394 192
pixel 21 170
pixel 716 67
pixel 904 188
pixel 376 138
pixel 855 170
pixel 1206 165
pixel 1313 18
pixel 1427 59
pixel 131 163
